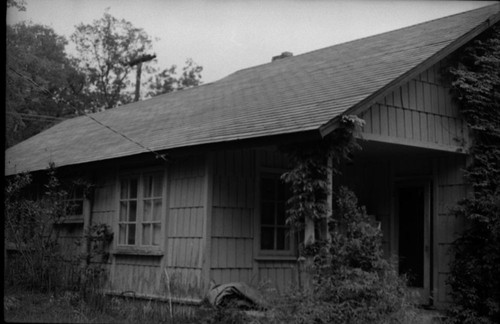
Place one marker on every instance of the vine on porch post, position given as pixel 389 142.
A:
pixel 312 162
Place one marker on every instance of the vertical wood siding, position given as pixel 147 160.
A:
pixel 421 111
pixel 451 187
pixel 185 227
pixel 283 275
pixel 232 229
pixel 104 205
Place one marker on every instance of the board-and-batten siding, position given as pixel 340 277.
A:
pixel 419 113
pixel 232 230
pixel 451 187
pixel 234 250
pixel 186 217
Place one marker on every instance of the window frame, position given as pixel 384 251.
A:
pixel 75 193
pixel 272 173
pixel 138 247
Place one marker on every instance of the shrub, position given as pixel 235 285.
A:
pixel 352 282
pixel 29 226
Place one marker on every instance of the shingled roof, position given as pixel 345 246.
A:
pixel 292 95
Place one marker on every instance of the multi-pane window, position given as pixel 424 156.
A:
pixel 74 202
pixel 140 211
pixel 274 232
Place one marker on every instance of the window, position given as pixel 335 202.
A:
pixel 140 210
pixel 275 234
pixel 74 202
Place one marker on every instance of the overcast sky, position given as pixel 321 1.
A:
pixel 225 36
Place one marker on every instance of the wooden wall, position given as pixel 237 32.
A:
pixel 450 188
pixel 186 211
pixel 232 230
pixel 420 113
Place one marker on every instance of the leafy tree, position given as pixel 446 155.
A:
pixel 475 271
pixel 105 48
pixel 19 4
pixel 168 81
pixel 40 79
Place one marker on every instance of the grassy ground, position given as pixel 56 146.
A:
pixel 22 306
pixel 35 307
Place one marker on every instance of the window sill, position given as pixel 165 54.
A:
pixel 71 220
pixel 137 251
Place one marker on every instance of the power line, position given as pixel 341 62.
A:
pixel 156 154
pixel 35 116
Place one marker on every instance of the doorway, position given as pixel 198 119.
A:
pixel 413 206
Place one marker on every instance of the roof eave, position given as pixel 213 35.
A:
pixel 366 103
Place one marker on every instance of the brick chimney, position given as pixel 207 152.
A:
pixel 282 56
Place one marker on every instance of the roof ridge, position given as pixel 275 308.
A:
pixel 367 37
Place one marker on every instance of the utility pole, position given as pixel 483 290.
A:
pixel 138 61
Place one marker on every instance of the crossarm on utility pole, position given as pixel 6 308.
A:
pixel 138 61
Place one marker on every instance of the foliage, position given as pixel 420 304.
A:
pixel 168 81
pixel 475 271
pixel 208 314
pixel 105 49
pixel 40 78
pixel 30 227
pixel 44 85
pixel 352 282
pixel 308 177
pixel 18 4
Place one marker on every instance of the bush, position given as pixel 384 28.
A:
pixel 352 282
pixel 29 226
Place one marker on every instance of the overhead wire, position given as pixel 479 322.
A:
pixel 45 90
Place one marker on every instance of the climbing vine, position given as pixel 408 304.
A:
pixel 475 271
pixel 308 178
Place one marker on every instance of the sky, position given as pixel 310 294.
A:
pixel 225 36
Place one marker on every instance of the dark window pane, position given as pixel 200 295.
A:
pixel 281 239
pixel 281 214
pixel 156 234
pixel 74 207
pixel 148 186
pixel 267 238
pixel 131 234
pixel 78 192
pixel 267 189
pixel 267 213
pixel 281 190
pixel 122 234
pixel 147 211
pixel 132 213
pixel 158 185
pixel 123 211
pixel 146 234
pixel 133 188
pixel 157 210
pixel 124 189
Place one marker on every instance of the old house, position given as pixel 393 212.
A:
pixel 214 210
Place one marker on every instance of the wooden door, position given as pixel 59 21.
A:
pixel 413 209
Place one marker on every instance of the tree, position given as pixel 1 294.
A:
pixel 19 4
pixel 40 79
pixel 168 81
pixel 105 49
